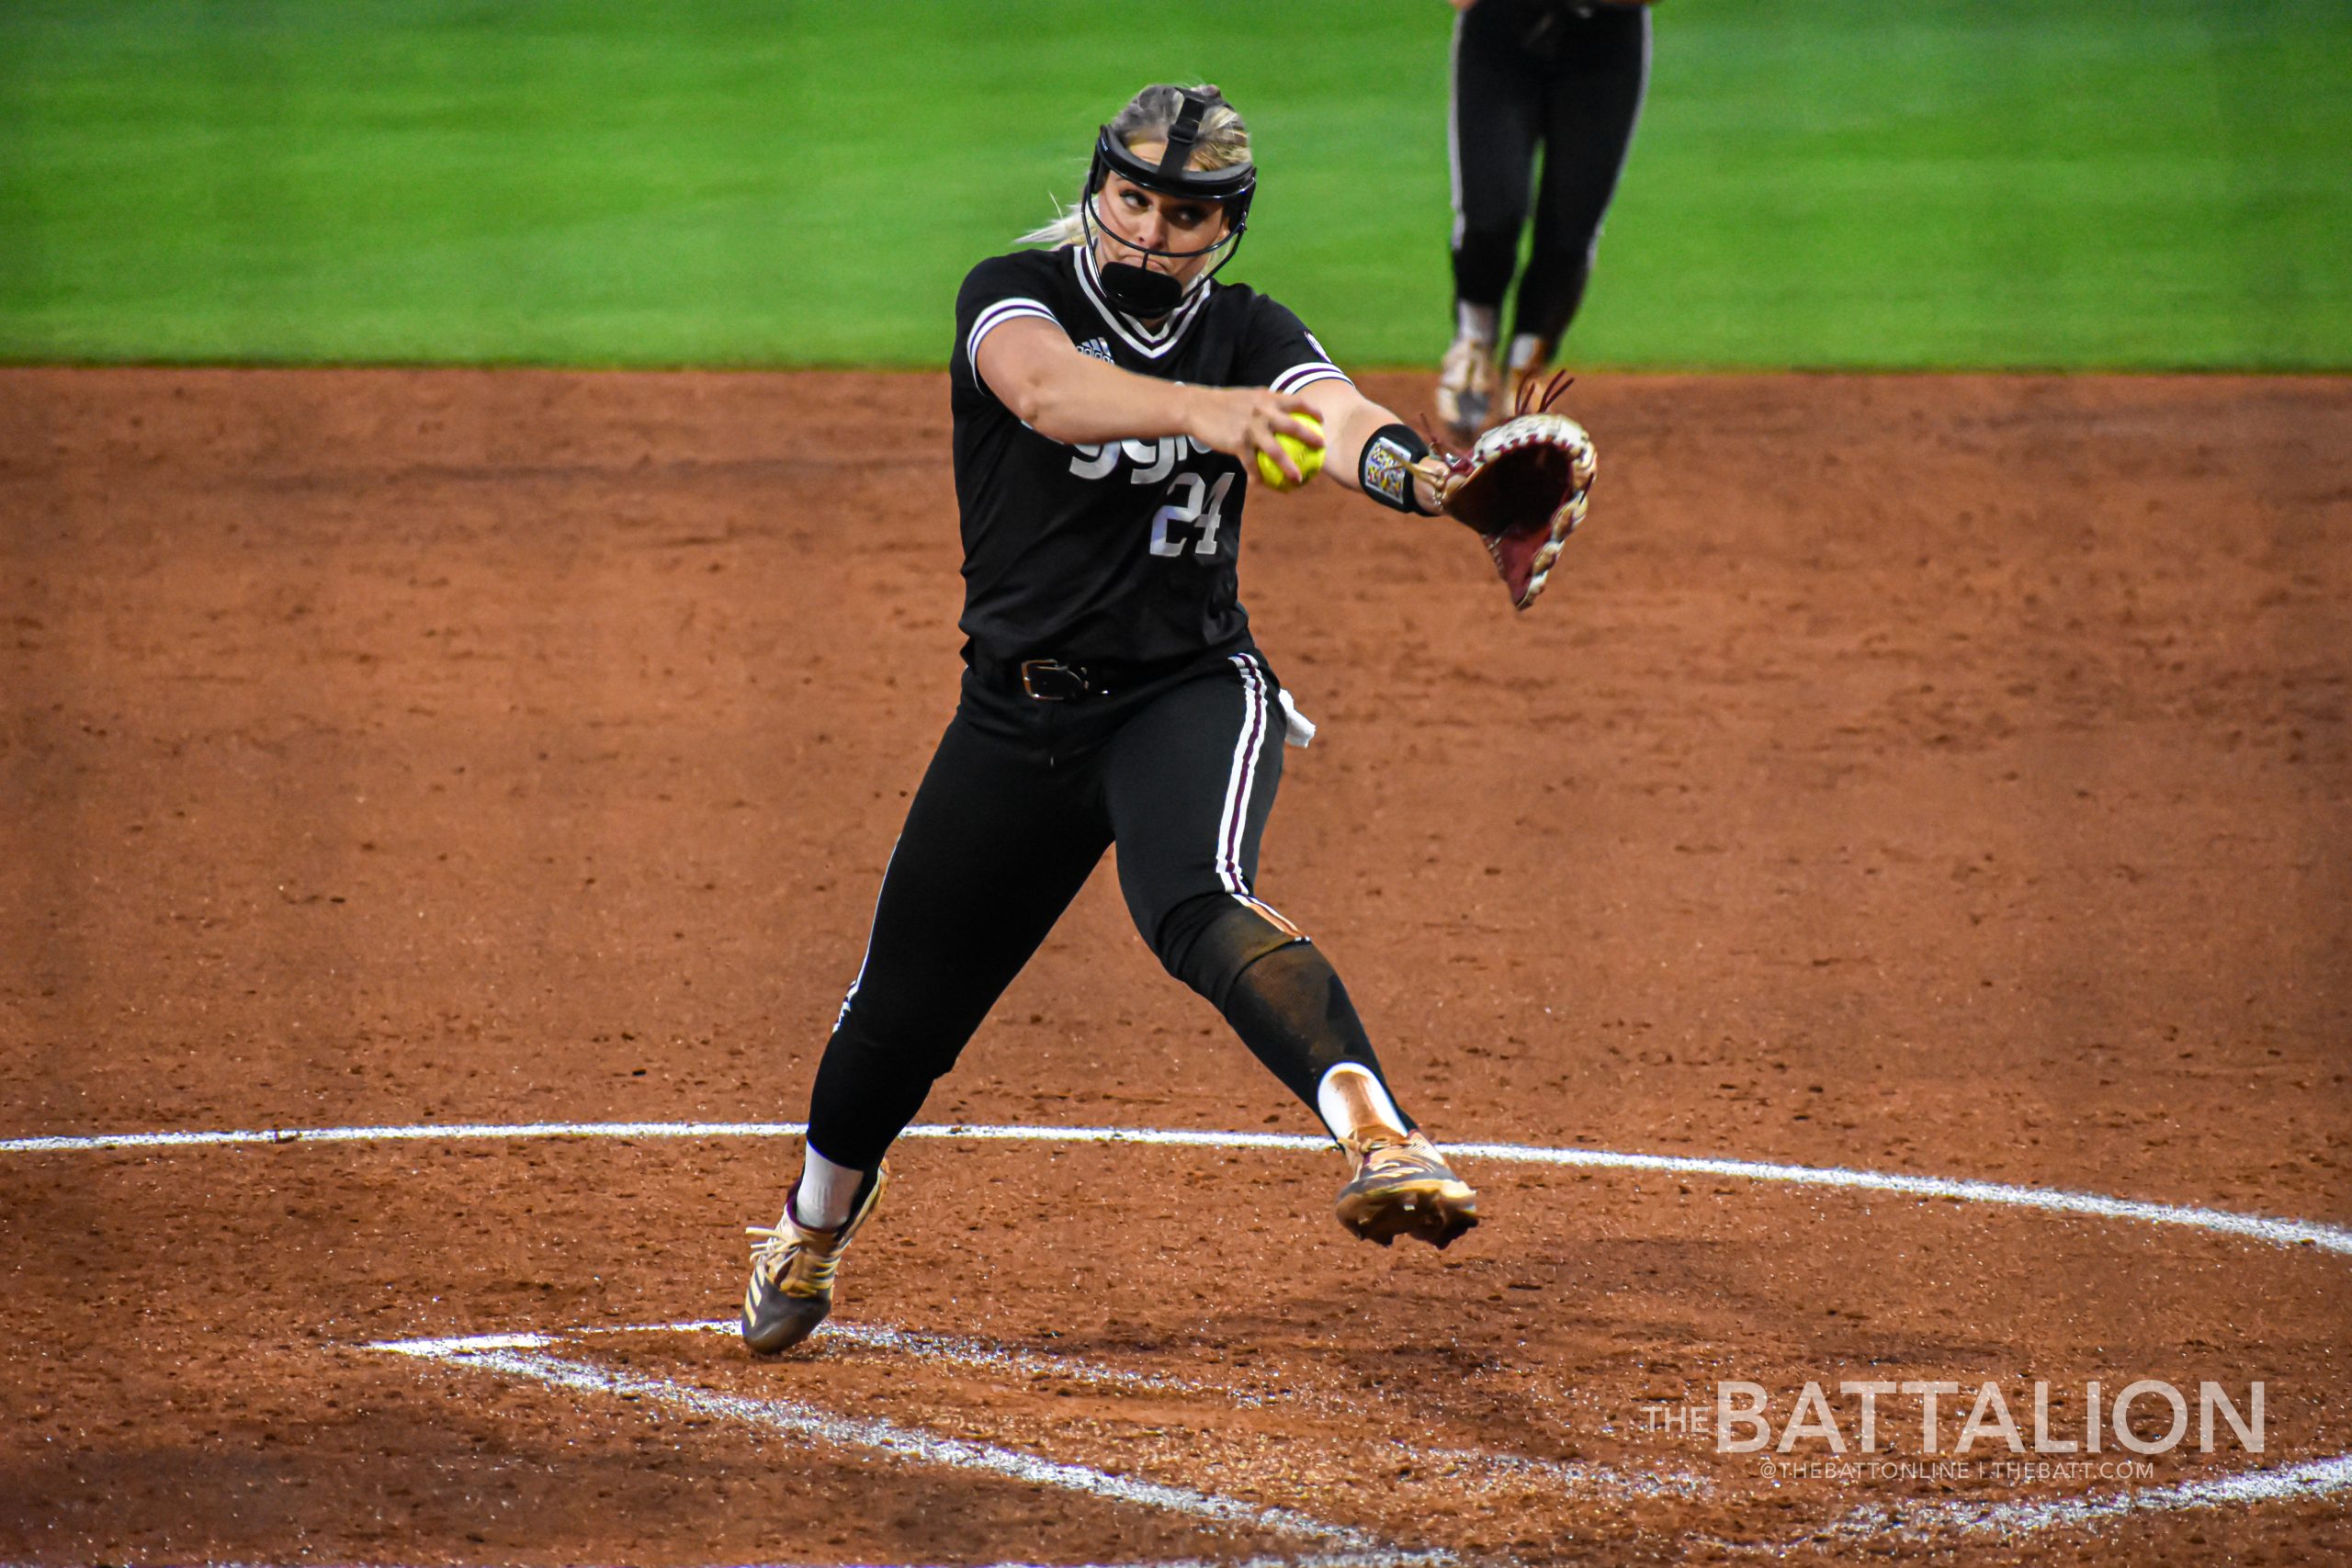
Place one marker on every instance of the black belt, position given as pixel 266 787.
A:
pixel 1060 681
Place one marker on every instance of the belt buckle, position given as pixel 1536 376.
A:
pixel 1051 680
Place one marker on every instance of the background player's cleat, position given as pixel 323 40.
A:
pixel 1526 392
pixel 1402 1187
pixel 1467 379
pixel 1528 378
pixel 792 1273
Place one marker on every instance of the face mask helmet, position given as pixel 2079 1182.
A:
pixel 1138 290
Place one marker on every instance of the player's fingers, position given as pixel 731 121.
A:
pixel 1304 427
pixel 1297 417
pixel 1268 449
pixel 1286 413
pixel 1282 458
pixel 1437 481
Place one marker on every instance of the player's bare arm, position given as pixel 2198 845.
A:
pixel 1065 396
pixel 1350 421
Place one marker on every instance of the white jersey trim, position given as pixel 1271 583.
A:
pixel 995 316
pixel 1242 777
pixel 1233 821
pixel 1152 343
pixel 1298 376
pixel 842 1017
pixel 1453 129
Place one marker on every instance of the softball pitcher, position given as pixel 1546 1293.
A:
pixel 1111 400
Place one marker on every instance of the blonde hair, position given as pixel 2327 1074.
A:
pixel 1148 117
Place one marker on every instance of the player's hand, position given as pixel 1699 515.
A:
pixel 1243 422
pixel 1434 482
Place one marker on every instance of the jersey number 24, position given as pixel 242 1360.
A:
pixel 1191 502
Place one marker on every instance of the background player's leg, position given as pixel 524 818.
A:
pixel 1189 783
pixel 995 846
pixel 1497 115
pixel 1592 100
pixel 1493 120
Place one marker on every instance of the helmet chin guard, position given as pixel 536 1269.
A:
pixel 1137 290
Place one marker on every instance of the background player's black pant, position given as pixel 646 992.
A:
pixel 1570 77
pixel 1018 806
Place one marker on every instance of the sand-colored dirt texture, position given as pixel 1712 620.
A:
pixel 1929 775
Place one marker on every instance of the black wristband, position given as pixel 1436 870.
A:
pixel 1385 470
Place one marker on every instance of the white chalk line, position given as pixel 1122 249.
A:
pixel 2324 1477
pixel 2317 1478
pixel 1580 1478
pixel 2251 1227
pixel 525 1356
pixel 979 1354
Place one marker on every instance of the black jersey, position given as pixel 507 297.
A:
pixel 1126 551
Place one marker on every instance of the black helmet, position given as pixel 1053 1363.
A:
pixel 1140 289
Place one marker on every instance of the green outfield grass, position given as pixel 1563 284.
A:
pixel 1938 183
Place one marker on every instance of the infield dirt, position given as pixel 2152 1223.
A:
pixel 1939 776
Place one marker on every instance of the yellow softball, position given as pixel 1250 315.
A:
pixel 1308 458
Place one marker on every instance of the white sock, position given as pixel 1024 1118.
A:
pixel 1526 351
pixel 1350 1098
pixel 1479 321
pixel 821 1201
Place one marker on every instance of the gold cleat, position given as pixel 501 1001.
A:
pixel 1402 1186
pixel 792 1273
pixel 1529 383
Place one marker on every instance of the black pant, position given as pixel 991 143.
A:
pixel 1569 77
pixel 1021 800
